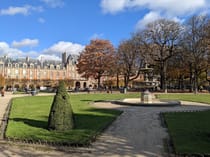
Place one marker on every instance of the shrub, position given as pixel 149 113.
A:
pixel 61 114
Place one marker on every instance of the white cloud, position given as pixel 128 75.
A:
pixel 25 10
pixel 111 6
pixel 25 43
pixel 178 7
pixel 175 10
pixel 51 53
pixel 151 16
pixel 63 46
pixel 41 20
pixel 3 45
pixel 170 7
pixel 54 3
pixel 5 49
pixel 15 10
pixel 48 57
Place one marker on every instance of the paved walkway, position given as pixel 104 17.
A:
pixel 4 101
pixel 136 133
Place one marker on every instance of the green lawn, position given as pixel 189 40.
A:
pixel 190 132
pixel 203 98
pixel 29 116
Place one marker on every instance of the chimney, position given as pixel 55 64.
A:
pixel 27 59
pixel 64 58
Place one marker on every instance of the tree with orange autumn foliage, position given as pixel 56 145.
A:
pixel 96 59
pixel 2 81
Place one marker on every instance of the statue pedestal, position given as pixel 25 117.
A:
pixel 146 97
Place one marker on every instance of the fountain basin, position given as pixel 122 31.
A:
pixel 146 97
pixel 154 103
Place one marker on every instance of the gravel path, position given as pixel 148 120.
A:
pixel 136 133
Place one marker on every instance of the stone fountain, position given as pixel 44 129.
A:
pixel 147 98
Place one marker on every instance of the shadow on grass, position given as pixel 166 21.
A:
pixel 95 122
pixel 87 100
pixel 92 119
pixel 87 126
pixel 32 122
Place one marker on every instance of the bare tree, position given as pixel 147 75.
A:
pixel 161 38
pixel 130 59
pixel 195 44
pixel 177 72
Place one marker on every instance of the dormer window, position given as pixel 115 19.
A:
pixel 24 65
pixel 9 65
pixel 1 65
pixel 51 66
pixel 16 65
pixel 58 67
pixel 31 65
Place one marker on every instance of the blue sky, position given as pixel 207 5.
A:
pixel 47 28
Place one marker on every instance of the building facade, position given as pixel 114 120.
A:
pixel 28 73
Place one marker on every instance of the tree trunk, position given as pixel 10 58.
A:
pixel 163 77
pixel 191 79
pixel 99 82
pixel 165 81
pixel 195 83
pixel 117 81
pixel 126 78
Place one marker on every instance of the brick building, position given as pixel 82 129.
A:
pixel 27 73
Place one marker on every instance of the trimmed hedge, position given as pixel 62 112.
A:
pixel 61 114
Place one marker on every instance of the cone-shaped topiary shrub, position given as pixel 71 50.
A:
pixel 61 114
